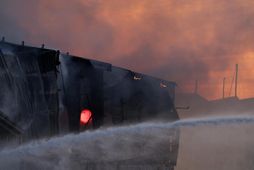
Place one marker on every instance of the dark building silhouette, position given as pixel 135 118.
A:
pixel 45 93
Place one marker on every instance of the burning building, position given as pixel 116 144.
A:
pixel 46 93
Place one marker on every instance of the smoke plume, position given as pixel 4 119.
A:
pixel 177 40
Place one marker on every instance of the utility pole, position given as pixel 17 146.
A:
pixel 236 79
pixel 223 88
pixel 196 87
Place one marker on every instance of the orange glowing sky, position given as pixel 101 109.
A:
pixel 179 40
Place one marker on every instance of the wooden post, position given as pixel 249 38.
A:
pixel 223 88
pixel 196 87
pixel 236 79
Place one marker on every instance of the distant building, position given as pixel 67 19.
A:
pixel 200 106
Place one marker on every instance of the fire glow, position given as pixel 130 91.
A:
pixel 85 117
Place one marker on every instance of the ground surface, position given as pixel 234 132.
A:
pixel 205 144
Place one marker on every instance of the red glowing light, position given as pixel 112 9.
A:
pixel 85 116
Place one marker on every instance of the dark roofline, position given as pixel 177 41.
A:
pixel 26 46
pixel 94 62
pixel 46 49
pixel 145 75
pixel 125 69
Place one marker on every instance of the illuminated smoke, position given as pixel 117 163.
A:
pixel 174 39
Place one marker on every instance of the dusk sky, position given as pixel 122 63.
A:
pixel 177 40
